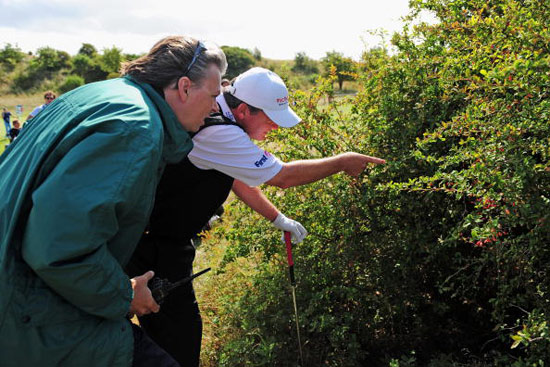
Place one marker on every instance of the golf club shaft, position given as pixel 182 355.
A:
pixel 297 326
pixel 288 243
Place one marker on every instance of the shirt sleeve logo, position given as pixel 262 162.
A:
pixel 262 160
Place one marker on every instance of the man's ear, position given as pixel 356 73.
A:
pixel 184 84
pixel 242 111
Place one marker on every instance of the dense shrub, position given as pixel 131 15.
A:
pixel 238 59
pixel 89 68
pixel 39 72
pixel 439 257
pixel 10 56
pixel 25 80
pixel 72 82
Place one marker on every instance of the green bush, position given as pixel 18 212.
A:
pixel 238 59
pixel 72 82
pixel 439 257
pixel 10 56
pixel 25 80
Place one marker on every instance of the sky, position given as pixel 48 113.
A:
pixel 278 28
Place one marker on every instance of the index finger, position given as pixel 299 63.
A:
pixel 376 160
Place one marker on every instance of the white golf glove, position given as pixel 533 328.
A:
pixel 297 231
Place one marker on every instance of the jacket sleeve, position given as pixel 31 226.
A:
pixel 86 219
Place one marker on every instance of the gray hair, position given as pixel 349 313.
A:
pixel 169 60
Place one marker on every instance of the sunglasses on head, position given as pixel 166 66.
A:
pixel 198 51
pixel 196 54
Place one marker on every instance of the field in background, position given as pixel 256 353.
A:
pixel 3 140
pixel 10 101
pixel 28 101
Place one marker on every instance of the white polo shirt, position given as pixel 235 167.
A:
pixel 228 149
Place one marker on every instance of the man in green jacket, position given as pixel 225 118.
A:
pixel 80 182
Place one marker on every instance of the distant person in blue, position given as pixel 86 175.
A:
pixel 6 115
pixel 49 96
pixel 77 188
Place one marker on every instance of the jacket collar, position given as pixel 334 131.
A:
pixel 224 108
pixel 177 141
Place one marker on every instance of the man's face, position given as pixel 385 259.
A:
pixel 48 98
pixel 259 125
pixel 201 100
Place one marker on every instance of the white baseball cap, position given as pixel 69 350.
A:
pixel 263 89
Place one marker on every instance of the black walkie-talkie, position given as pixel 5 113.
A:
pixel 161 288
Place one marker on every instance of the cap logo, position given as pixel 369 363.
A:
pixel 282 101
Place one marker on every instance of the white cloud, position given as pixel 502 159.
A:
pixel 279 29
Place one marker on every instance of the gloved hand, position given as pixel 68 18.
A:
pixel 297 231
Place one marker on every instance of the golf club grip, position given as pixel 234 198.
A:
pixel 288 249
pixel 291 273
pixel 289 256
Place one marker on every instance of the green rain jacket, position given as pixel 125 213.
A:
pixel 76 191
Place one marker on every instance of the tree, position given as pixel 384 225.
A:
pixel 48 60
pixel 257 54
pixel 238 59
pixel 111 59
pixel 10 56
pixel 304 65
pixel 64 59
pixel 344 67
pixel 81 64
pixel 88 50
pixel 131 57
pixel 88 68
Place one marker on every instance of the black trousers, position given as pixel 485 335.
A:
pixel 177 327
pixel 149 354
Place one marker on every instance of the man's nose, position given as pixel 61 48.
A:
pixel 215 107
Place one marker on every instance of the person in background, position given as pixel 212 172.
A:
pixel 14 131
pixel 49 96
pixel 80 182
pixel 6 115
pixel 224 157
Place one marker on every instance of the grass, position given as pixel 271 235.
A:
pixel 28 101
pixel 3 140
pixel 10 101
